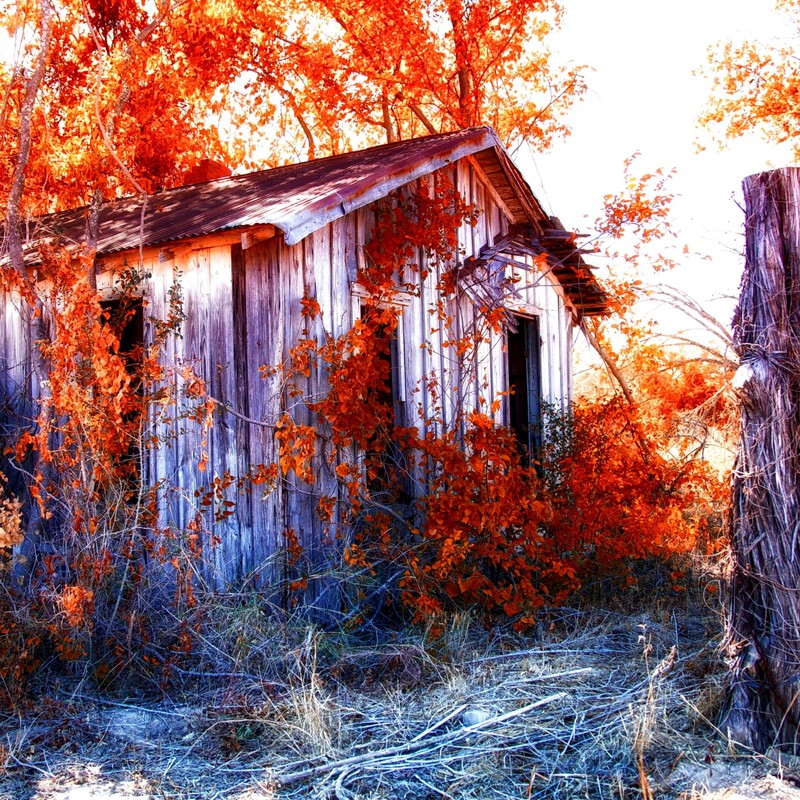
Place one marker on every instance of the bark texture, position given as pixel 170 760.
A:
pixel 764 604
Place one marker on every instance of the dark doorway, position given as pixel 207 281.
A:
pixel 125 314
pixel 386 465
pixel 525 385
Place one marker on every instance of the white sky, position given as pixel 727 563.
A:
pixel 643 96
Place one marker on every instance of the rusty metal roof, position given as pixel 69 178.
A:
pixel 300 198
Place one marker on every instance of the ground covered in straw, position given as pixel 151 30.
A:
pixel 597 704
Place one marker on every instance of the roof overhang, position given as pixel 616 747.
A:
pixel 301 198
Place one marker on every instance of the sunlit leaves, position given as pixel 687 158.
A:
pixel 614 499
pixel 637 216
pixel 136 93
pixel 756 87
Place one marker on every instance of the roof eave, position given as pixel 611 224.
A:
pixel 364 192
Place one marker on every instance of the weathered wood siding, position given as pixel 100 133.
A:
pixel 242 312
pixel 17 381
pixel 481 378
pixel 15 361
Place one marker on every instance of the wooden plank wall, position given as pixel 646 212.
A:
pixel 15 363
pixel 204 348
pixel 16 380
pixel 429 365
pixel 242 314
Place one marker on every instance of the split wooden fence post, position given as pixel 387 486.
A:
pixel 763 633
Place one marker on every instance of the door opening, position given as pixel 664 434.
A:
pixel 126 316
pixel 525 385
pixel 386 467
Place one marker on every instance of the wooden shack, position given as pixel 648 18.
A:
pixel 246 249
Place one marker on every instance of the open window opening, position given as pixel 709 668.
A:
pixel 385 460
pixel 525 385
pixel 126 316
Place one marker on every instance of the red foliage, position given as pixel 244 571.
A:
pixel 616 496
pixel 490 531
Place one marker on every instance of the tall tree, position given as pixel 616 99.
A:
pixel 29 86
pixel 118 111
pixel 393 70
pixel 134 93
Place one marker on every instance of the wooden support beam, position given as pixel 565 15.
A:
pixel 488 185
pixel 256 235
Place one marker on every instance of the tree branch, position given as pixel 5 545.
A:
pixel 609 362
pixel 422 117
pixel 26 117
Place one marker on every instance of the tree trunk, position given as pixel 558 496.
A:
pixel 763 633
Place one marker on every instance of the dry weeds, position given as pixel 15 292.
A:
pixel 597 704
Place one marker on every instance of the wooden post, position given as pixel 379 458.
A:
pixel 763 633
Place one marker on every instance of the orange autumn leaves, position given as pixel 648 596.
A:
pixel 510 538
pixel 618 495
pixel 490 530
pixel 755 85
pixel 90 407
pixel 136 93
pixel 483 539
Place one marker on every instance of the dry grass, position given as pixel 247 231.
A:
pixel 597 704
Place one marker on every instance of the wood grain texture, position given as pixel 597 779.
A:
pixel 764 605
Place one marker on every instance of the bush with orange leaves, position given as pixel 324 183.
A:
pixel 615 483
pixel 82 587
pixel 618 494
pixel 483 540
pixel 504 538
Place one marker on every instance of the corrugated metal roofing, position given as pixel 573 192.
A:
pixel 299 198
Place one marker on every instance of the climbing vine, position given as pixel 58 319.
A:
pixel 451 502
